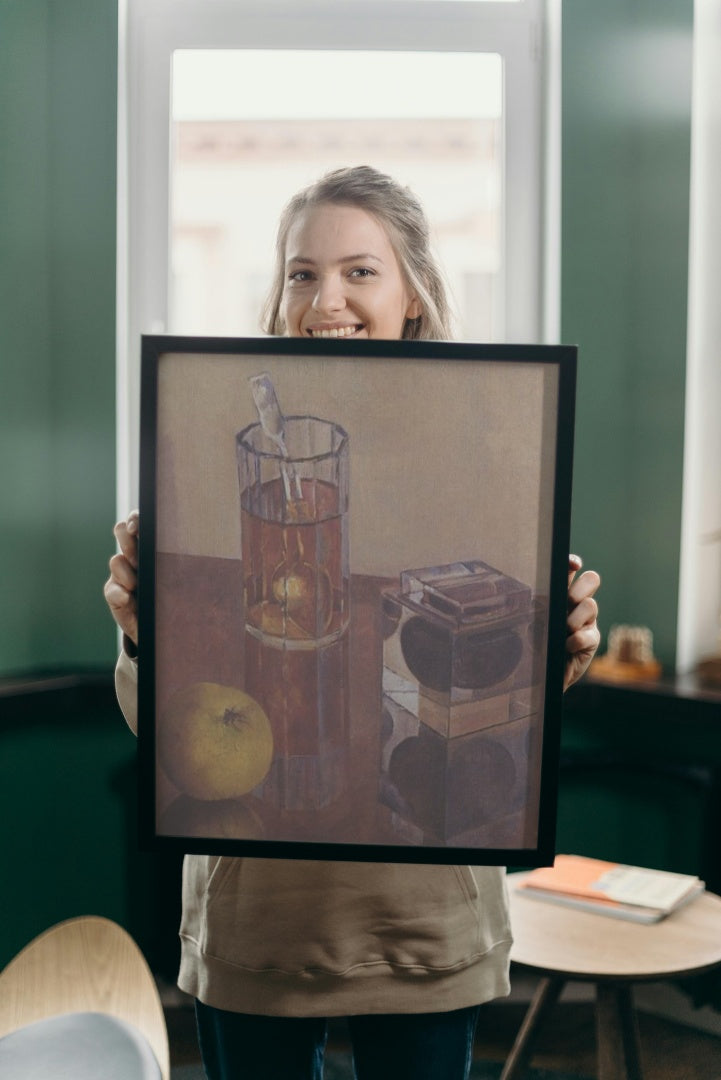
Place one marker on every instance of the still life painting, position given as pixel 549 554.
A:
pixel 352 597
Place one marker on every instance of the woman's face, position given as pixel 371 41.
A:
pixel 342 277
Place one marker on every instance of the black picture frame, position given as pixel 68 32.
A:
pixel 405 646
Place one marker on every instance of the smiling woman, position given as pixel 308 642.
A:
pixel 383 943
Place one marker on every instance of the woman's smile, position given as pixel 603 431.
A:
pixel 334 331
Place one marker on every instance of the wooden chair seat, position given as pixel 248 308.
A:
pixel 84 965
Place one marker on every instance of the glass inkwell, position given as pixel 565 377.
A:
pixel 461 684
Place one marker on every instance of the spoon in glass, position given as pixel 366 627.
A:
pixel 273 424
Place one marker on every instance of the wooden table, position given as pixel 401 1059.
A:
pixel 562 944
pixel 199 608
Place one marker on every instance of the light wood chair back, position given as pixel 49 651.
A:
pixel 86 964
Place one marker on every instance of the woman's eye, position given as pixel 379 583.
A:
pixel 362 272
pixel 300 276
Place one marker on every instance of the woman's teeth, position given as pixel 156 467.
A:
pixel 337 331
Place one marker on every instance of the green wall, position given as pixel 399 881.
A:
pixel 67 761
pixel 625 199
pixel 58 73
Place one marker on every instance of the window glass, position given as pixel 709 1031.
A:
pixel 251 127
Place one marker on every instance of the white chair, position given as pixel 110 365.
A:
pixel 80 1002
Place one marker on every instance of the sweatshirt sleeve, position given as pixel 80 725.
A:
pixel 126 688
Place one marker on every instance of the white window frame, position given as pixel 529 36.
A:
pixel 526 34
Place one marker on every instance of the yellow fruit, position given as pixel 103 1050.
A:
pixel 214 742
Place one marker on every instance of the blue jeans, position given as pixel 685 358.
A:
pixel 416 1046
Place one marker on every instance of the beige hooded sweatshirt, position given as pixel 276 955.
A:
pixel 286 937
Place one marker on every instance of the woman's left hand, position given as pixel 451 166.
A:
pixel 583 636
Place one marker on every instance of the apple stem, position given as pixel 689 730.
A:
pixel 234 717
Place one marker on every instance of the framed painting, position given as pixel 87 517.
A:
pixel 352 597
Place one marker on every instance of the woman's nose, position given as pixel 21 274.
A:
pixel 329 296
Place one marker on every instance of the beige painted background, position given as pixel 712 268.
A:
pixel 446 457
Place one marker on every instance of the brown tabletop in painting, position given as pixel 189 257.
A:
pixel 370 770
pixel 563 944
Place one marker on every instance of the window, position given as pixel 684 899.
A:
pixel 236 160
pixel 227 107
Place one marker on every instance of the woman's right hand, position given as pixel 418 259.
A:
pixel 121 587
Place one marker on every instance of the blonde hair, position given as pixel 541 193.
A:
pixel 403 217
